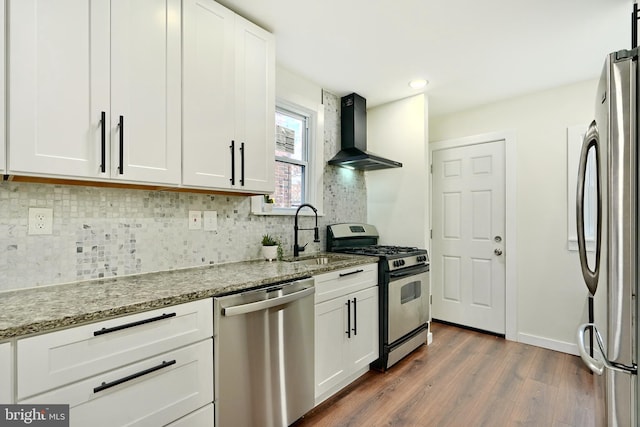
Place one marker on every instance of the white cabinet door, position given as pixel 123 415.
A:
pixel 208 93
pixel 331 345
pixel 6 374
pixel 3 98
pixel 58 86
pixel 255 106
pixel 364 340
pixel 145 90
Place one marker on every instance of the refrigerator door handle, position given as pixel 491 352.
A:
pixel 598 365
pixel 591 139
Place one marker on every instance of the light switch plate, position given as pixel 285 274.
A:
pixel 40 221
pixel 210 220
pixel 195 220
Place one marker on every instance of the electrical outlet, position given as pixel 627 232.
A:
pixel 210 220
pixel 40 221
pixel 195 220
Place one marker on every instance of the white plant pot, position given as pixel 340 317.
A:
pixel 270 253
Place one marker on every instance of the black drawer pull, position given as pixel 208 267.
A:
pixel 105 386
pixel 103 141
pixel 355 318
pixel 233 162
pixel 132 324
pixel 348 304
pixel 121 126
pixel 350 273
pixel 242 164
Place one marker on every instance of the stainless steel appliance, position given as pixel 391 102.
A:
pixel 264 355
pixel 612 140
pixel 403 286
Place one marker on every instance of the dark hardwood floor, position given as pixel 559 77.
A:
pixel 468 379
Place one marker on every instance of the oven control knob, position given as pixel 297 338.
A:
pixel 401 262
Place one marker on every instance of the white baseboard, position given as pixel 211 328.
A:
pixel 564 347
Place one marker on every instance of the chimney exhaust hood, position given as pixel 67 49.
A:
pixel 354 154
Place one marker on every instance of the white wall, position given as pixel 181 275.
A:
pixel 397 199
pixel 550 292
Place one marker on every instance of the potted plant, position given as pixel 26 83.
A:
pixel 270 247
pixel 267 206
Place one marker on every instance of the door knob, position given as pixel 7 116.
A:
pixel 497 251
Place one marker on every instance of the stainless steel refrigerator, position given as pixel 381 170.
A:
pixel 608 345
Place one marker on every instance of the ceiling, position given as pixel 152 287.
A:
pixel 472 52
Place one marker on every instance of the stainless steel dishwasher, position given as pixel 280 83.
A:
pixel 264 355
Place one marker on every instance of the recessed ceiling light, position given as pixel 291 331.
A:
pixel 418 83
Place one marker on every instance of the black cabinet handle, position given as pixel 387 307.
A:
pixel 103 141
pixel 133 324
pixel 242 164
pixel 105 385
pixel 355 318
pixel 350 273
pixel 233 162
pixel 348 304
pixel 121 126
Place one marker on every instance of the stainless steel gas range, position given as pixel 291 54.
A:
pixel 403 286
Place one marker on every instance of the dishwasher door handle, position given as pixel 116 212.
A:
pixel 262 305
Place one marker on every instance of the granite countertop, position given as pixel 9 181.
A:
pixel 43 309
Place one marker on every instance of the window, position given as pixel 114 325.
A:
pixel 299 157
pixel 292 159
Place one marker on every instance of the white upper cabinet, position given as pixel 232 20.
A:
pixel 255 105
pixel 77 67
pixel 145 90
pixel 58 86
pixel 208 96
pixel 228 100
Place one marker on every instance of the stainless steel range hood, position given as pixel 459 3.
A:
pixel 354 152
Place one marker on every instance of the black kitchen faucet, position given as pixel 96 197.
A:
pixel 316 235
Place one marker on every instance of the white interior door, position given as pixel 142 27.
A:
pixel 468 259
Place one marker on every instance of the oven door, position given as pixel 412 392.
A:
pixel 408 302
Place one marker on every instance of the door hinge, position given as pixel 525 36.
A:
pixel 431 299
pixel 431 234
pixel 431 168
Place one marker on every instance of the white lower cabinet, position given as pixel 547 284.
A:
pixel 6 374
pixel 153 392
pixel 146 369
pixel 346 327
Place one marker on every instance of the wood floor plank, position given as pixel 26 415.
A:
pixel 466 378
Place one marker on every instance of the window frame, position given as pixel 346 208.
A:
pixel 314 181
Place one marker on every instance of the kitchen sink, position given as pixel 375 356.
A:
pixel 318 260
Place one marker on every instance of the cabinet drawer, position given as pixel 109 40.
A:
pixel 58 358
pixel 6 373
pixel 203 417
pixel 152 399
pixel 342 282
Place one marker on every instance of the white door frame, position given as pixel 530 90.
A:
pixel 509 137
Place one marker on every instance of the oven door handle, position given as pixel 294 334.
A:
pixel 409 271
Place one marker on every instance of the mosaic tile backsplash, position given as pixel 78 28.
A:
pixel 105 232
